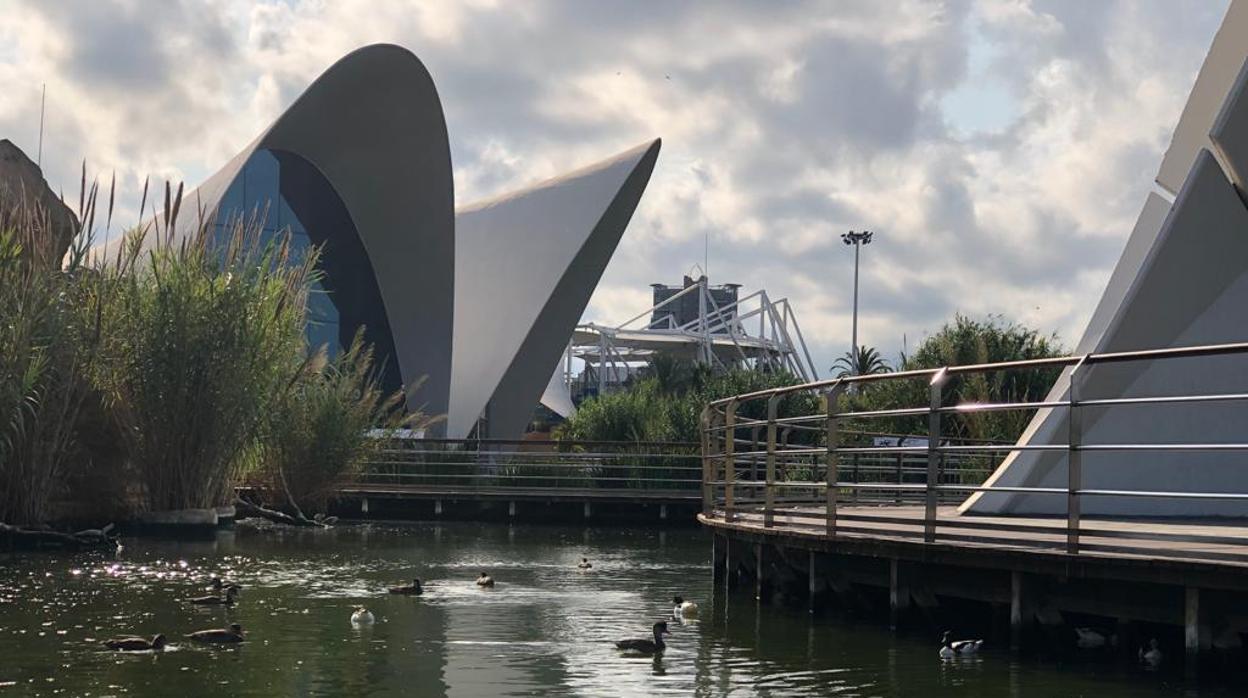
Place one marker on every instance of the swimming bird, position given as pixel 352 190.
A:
pixel 1087 638
pixel 643 646
pixel 958 648
pixel 227 600
pixel 584 564
pixel 137 644
pixel 411 589
pixel 684 609
pixel 221 636
pixel 485 580
pixel 219 586
pixel 362 616
pixel 1151 656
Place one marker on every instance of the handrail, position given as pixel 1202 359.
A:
pixel 806 460
pixel 1062 361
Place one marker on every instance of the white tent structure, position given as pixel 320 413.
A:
pixel 1182 280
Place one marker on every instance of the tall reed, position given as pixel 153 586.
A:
pixel 333 417
pixel 49 332
pixel 209 327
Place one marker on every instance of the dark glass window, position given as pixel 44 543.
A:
pixel 290 193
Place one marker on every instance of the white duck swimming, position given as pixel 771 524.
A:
pixel 1151 656
pixel 958 648
pixel 362 616
pixel 684 609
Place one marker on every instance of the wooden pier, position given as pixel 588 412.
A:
pixel 804 512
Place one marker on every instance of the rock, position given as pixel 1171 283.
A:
pixel 21 178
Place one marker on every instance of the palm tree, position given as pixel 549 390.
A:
pixel 865 361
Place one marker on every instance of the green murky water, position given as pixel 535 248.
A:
pixel 547 629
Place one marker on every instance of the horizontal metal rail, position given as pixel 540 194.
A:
pixel 807 466
pixel 491 468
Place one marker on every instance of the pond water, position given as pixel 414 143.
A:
pixel 546 629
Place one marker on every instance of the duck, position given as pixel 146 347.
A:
pixel 219 586
pixel 584 565
pixel 220 636
pixel 1151 656
pixel 214 600
pixel 958 648
pixel 684 609
pixel 137 644
pixel 410 589
pixel 644 646
pixel 485 580
pixel 362 616
pixel 1087 638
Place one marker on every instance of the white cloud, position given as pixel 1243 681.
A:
pixel 783 125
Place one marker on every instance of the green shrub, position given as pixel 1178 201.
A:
pixel 318 436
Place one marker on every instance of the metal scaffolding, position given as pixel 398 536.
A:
pixel 721 336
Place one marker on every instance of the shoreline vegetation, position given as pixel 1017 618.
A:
pixel 161 378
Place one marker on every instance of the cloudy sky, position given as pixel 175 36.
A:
pixel 1000 149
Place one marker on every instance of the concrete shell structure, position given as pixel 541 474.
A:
pixel 479 304
pixel 1182 280
pixel 525 266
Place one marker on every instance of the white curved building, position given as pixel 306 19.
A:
pixel 478 303
pixel 1182 280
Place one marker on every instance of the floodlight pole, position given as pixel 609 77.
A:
pixel 857 240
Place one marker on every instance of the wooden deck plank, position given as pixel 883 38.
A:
pixel 904 523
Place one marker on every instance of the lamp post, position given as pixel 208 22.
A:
pixel 857 240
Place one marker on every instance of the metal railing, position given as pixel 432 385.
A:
pixel 501 467
pixel 807 481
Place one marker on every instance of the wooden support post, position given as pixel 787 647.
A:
pixel 811 588
pixel 437 507
pixel 511 509
pixel 586 510
pixel 898 593
pixel 1074 460
pixel 769 486
pixel 933 457
pixel 832 436
pixel 663 512
pixel 729 572
pixel 758 572
pixel 1016 611
pixel 1191 622
pixel 364 505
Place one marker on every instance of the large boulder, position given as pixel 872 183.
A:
pixel 21 181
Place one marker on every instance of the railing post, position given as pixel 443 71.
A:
pixel 1074 460
pixel 833 442
pixel 708 469
pixel 730 458
pixel 769 488
pixel 901 479
pixel 933 456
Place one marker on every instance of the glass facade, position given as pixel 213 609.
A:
pixel 287 192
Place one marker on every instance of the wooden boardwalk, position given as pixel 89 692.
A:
pixel 1213 553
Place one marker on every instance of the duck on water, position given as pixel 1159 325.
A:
pixel 485 580
pixel 646 646
pixel 214 600
pixel 219 636
pixel 958 648
pixel 412 589
pixel 137 644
